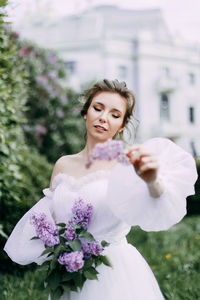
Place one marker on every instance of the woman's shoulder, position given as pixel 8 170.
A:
pixel 64 164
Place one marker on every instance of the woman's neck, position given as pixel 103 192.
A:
pixel 87 150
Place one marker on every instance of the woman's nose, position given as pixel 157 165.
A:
pixel 103 117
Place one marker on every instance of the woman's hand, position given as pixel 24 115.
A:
pixel 146 166
pixel 144 161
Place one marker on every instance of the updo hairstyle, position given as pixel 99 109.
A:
pixel 113 86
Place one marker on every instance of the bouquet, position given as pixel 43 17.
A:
pixel 72 253
pixel 109 150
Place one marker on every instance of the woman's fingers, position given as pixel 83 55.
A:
pixel 149 166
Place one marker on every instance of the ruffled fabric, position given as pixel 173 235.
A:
pixel 77 184
pixel 19 247
pixel 129 198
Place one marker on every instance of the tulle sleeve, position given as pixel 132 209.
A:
pixel 19 247
pixel 129 198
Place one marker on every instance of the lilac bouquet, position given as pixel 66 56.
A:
pixel 109 150
pixel 72 253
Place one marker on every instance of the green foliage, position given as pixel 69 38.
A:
pixel 174 257
pixel 54 123
pixel 23 172
pixel 193 202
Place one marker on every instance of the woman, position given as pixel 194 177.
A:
pixel 150 192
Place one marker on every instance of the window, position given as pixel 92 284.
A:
pixel 191 115
pixel 122 72
pixel 164 107
pixel 192 78
pixel 71 67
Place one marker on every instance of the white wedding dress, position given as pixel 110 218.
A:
pixel 120 200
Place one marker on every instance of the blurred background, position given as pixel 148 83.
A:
pixel 50 51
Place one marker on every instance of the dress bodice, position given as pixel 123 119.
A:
pixel 92 188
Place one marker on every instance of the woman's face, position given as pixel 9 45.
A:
pixel 105 115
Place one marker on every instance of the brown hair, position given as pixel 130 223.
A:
pixel 113 86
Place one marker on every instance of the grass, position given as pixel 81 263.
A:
pixel 173 255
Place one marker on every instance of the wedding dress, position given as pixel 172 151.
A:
pixel 120 199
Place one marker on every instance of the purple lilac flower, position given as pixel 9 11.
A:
pixel 109 150
pixel 73 261
pixel 59 113
pixel 82 213
pixel 93 248
pixel 40 129
pixel 63 100
pixel 41 79
pixel 44 229
pixel 70 233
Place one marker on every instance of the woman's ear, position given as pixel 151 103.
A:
pixel 84 117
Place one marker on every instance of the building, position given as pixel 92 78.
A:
pixel 136 47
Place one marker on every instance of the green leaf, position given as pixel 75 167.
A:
pixel 35 238
pixel 88 263
pixel 91 273
pixel 55 295
pixel 67 276
pixel 66 286
pixel 75 226
pixel 61 231
pixel 104 244
pixel 44 266
pixel 78 279
pixel 61 224
pixel 98 262
pixel 47 250
pixel 53 280
pixel 75 245
pixel 86 235
pixel 105 260
pixel 53 264
pixel 60 248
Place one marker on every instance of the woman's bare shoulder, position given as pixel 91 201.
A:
pixel 63 165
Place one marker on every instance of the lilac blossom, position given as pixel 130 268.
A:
pixel 59 113
pixel 51 58
pixel 73 261
pixel 109 150
pixel 40 129
pixel 44 229
pixel 63 100
pixel 82 213
pixel 93 248
pixel 70 233
pixel 41 79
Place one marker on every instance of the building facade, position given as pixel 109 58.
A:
pixel 135 47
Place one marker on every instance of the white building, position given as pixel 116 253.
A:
pixel 136 47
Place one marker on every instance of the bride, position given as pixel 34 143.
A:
pixel 149 192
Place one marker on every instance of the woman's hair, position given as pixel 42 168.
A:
pixel 113 86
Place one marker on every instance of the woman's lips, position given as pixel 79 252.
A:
pixel 100 128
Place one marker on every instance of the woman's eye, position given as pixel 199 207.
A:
pixel 115 116
pixel 97 109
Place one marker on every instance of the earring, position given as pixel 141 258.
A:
pixel 84 117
